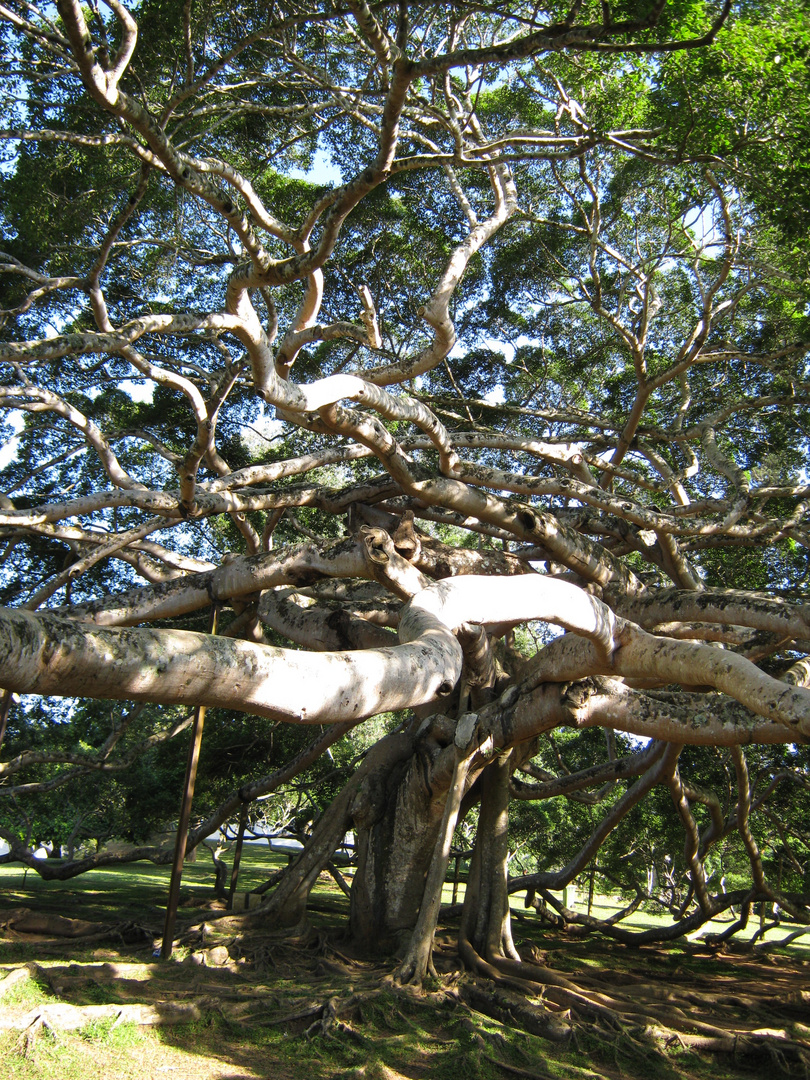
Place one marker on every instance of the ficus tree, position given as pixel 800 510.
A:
pixel 458 355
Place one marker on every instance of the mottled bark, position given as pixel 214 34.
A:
pixel 287 903
pixel 485 920
pixel 397 815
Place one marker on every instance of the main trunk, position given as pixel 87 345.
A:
pixel 397 817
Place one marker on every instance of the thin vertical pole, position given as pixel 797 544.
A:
pixel 185 816
pixel 455 879
pixel 237 855
pixel 5 706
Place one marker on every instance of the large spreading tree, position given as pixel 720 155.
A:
pixel 457 354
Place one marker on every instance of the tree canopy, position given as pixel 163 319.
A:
pixel 458 354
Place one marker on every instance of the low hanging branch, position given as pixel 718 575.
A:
pixel 49 654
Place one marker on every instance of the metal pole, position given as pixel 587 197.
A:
pixel 185 816
pixel 5 706
pixel 237 855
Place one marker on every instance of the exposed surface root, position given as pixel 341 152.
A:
pixel 712 1014
pixel 59 1016
pixel 509 1008
pixel 26 924
pixel 752 1026
pixel 514 1070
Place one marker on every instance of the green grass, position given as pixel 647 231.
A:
pixel 112 1034
pixel 603 907
pixel 131 890
pixel 138 892
pixel 98 1052
pixel 25 994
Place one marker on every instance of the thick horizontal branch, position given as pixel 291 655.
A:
pixel 49 654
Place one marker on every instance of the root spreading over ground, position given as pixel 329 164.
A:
pixel 309 1005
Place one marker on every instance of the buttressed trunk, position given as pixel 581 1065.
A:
pixel 397 816
pixel 287 904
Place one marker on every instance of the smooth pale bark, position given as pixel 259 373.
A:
pixel 643 656
pixel 729 606
pixel 241 576
pixel 319 627
pixel 696 719
pixel 436 312
pixel 799 673
pixel 46 654
pixel 489 600
pixel 49 654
